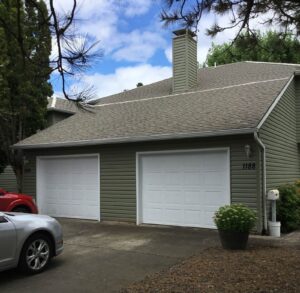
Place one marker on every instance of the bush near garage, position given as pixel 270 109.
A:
pixel 235 217
pixel 288 207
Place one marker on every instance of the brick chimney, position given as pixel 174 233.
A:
pixel 185 66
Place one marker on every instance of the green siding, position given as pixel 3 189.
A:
pixel 8 180
pixel 278 133
pixel 184 63
pixel 297 91
pixel 54 117
pixel 118 171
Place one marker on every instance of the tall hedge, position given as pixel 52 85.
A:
pixel 288 208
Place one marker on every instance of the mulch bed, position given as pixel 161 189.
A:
pixel 259 269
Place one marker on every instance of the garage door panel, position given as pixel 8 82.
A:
pixel 153 214
pixel 187 188
pixel 172 178
pixel 213 198
pixel 69 187
pixel 172 197
pixel 192 178
pixel 153 196
pixel 193 217
pixel 173 216
pixel 193 197
pixel 214 160
pixel 191 163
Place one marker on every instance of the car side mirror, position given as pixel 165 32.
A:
pixel 2 191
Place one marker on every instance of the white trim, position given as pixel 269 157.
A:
pixel 53 102
pixel 273 63
pixel 264 181
pixel 145 153
pixel 137 182
pixel 137 139
pixel 40 158
pixel 192 92
pixel 273 105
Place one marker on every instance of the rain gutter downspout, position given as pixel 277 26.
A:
pixel 264 179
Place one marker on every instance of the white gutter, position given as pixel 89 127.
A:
pixel 264 179
pixel 135 139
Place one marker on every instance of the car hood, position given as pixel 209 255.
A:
pixel 22 217
pixel 18 195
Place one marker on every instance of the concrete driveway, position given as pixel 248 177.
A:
pixel 103 257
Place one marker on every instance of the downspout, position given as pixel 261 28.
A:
pixel 264 180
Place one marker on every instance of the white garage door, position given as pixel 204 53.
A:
pixel 69 186
pixel 183 189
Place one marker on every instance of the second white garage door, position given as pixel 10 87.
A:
pixel 183 189
pixel 69 186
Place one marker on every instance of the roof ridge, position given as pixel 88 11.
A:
pixel 192 92
pixel 221 65
pixel 130 90
pixel 274 63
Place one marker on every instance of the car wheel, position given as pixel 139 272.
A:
pixel 36 254
pixel 21 209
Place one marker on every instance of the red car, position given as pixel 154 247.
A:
pixel 17 202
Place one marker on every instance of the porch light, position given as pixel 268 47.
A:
pixel 248 151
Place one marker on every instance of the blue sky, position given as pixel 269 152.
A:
pixel 136 47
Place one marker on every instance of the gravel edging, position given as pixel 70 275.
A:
pixel 261 268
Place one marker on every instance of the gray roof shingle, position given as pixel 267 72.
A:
pixel 229 98
pixel 61 105
pixel 208 78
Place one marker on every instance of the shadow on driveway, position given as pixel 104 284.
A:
pixel 102 257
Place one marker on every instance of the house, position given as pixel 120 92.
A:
pixel 174 151
pixel 57 110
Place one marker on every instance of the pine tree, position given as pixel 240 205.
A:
pixel 240 13
pixel 268 47
pixel 25 47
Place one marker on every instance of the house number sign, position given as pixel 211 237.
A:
pixel 249 166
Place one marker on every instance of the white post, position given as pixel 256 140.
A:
pixel 274 227
pixel 273 210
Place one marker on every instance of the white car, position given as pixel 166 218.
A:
pixel 28 241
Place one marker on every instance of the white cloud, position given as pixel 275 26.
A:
pixel 168 54
pixel 105 21
pixel 125 78
pixel 137 7
pixel 138 46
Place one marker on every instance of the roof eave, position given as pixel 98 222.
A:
pixel 136 139
pixel 51 109
pixel 275 102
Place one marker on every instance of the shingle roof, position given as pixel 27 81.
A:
pixel 61 105
pixel 210 77
pixel 229 98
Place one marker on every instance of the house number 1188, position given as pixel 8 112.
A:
pixel 249 166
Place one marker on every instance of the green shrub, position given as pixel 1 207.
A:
pixel 235 217
pixel 288 207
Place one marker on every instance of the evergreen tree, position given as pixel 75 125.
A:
pixel 241 13
pixel 268 47
pixel 25 46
